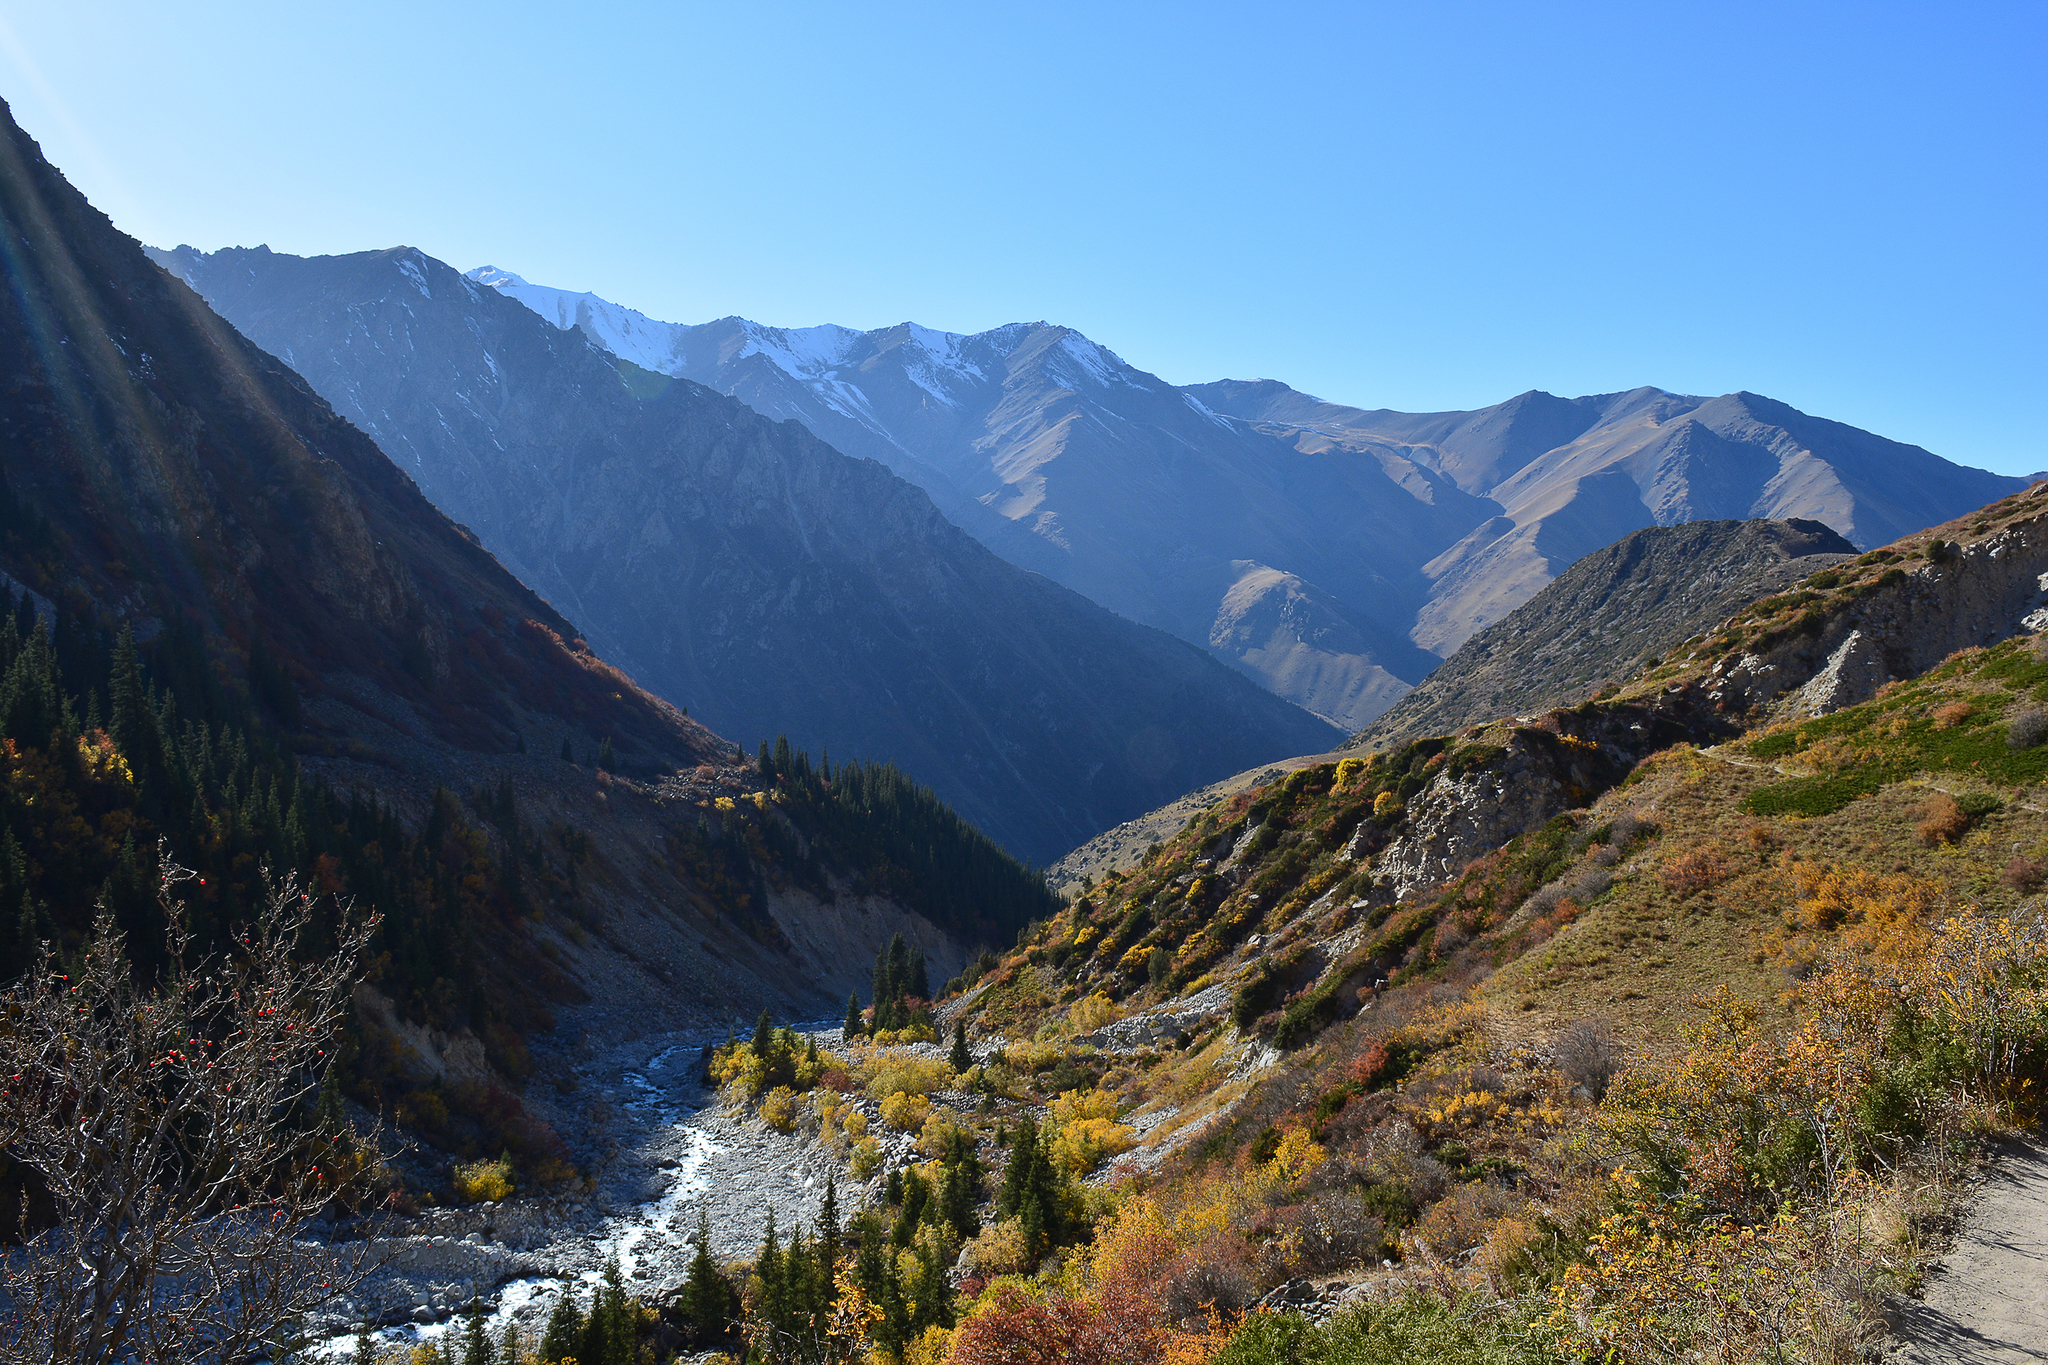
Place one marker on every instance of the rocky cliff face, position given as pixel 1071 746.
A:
pixel 1911 610
pixel 744 569
pixel 1608 615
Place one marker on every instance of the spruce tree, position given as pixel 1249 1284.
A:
pixel 706 1299
pixel 828 1220
pixel 920 982
pixel 508 1349
pixel 476 1342
pixel 854 1024
pixel 764 1037
pixel 563 1336
pixel 366 1347
pixel 960 1059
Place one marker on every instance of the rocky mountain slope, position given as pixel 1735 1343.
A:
pixel 1606 617
pixel 1333 553
pixel 744 569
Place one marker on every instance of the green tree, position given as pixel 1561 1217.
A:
pixel 563 1337
pixel 476 1341
pixel 854 1024
pixel 960 1059
pixel 706 1300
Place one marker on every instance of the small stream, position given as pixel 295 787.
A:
pixel 670 1155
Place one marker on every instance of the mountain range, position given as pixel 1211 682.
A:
pixel 743 568
pixel 1334 553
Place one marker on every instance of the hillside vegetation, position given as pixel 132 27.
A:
pixel 1660 1028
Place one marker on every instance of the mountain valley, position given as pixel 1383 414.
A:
pixel 740 567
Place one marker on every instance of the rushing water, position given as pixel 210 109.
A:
pixel 675 1155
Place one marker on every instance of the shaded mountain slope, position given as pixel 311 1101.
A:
pixel 1607 616
pixel 743 568
pixel 334 677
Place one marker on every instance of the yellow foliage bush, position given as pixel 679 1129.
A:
pixel 1001 1249
pixel 1385 804
pixel 930 1349
pixel 855 1124
pixel 1084 1104
pixel 937 1132
pixel 907 1075
pixel 1347 768
pixel 866 1158
pixel 1032 1057
pixel 778 1109
pixel 1092 1012
pixel 1086 1143
pixel 905 1111
pixel 484 1182
pixel 1295 1158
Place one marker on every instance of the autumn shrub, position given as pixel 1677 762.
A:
pixel 1654 1287
pixel 2024 874
pixel 866 1158
pixel 906 1112
pixel 1092 1012
pixel 1001 1248
pixel 908 1075
pixel 1693 871
pixel 483 1182
pixel 1951 714
pixel 1942 820
pixel 779 1109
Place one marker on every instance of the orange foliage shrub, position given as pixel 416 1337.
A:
pixel 1693 871
pixel 1942 820
pixel 1953 714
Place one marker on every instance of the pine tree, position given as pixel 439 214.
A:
pixel 920 983
pixel 828 1220
pixel 613 1315
pixel 706 1299
pixel 508 1349
pixel 476 1342
pixel 366 1347
pixel 764 1037
pixel 564 1334
pixel 960 1059
pixel 854 1024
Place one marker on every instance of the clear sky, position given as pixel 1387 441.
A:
pixel 1423 207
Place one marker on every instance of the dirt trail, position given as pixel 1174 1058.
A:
pixel 1988 1302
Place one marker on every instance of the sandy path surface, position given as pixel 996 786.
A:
pixel 1988 1302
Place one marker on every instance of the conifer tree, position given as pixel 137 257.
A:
pixel 706 1299
pixel 764 1037
pixel 366 1347
pixel 563 1336
pixel 920 982
pixel 476 1342
pixel 508 1349
pixel 828 1221
pixel 960 1059
pixel 854 1024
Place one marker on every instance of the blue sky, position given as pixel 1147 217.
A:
pixel 1423 207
